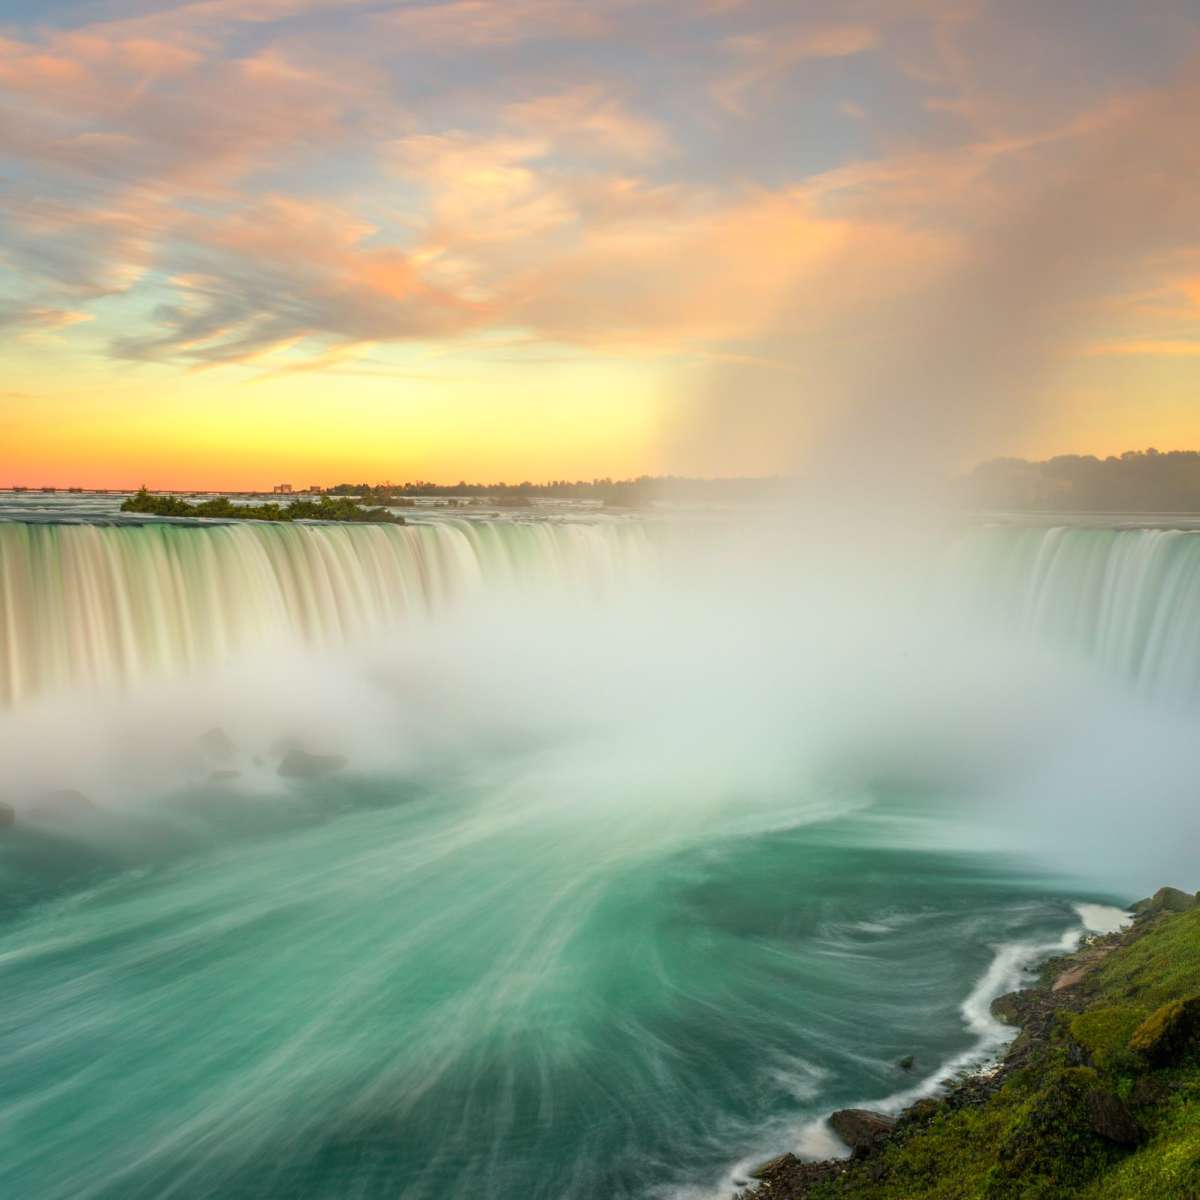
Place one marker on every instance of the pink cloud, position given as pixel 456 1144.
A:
pixel 588 118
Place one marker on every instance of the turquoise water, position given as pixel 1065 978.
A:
pixel 390 989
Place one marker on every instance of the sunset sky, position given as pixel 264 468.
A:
pixel 248 241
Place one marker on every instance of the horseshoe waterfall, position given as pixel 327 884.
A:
pixel 578 858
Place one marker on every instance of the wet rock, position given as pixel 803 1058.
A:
pixel 8 815
pixel 788 1178
pixel 1108 1117
pixel 61 805
pixel 216 743
pixel 1168 1033
pixel 906 1063
pixel 299 764
pixel 860 1128
pixel 1011 1007
pixel 919 1113
pixel 1166 899
pixel 774 1166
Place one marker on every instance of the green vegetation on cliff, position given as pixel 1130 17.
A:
pixel 325 509
pixel 1098 1098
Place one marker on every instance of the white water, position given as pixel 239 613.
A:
pixel 86 604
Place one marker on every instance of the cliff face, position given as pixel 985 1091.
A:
pixel 1097 1098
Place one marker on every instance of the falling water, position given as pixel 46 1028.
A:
pixel 1125 599
pixel 94 604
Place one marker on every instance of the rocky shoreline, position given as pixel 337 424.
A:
pixel 1041 1013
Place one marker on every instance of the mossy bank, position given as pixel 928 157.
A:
pixel 1098 1097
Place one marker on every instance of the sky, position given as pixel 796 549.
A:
pixel 244 242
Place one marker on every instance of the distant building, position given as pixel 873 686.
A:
pixel 315 488
pixel 49 490
pixel 284 489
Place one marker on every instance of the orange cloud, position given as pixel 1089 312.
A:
pixel 588 118
pixel 1149 347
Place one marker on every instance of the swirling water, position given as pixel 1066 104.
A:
pixel 590 915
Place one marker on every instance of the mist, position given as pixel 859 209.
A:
pixel 736 678
pixel 963 281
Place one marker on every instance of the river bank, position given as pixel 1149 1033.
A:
pixel 1097 1096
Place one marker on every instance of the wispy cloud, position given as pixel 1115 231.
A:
pixel 759 60
pixel 290 183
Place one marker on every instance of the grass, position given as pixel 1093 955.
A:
pixel 1036 1138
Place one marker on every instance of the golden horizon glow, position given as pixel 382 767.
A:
pixel 318 240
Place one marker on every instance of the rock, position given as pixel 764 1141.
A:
pixel 1167 1034
pixel 299 764
pixel 216 743
pixel 8 815
pixel 860 1128
pixel 1082 965
pixel 61 804
pixel 1150 1089
pixel 1166 899
pixel 1070 978
pixel 787 1178
pixel 773 1166
pixel 906 1063
pixel 1011 1007
pixel 1052 1136
pixel 921 1112
pixel 1108 1116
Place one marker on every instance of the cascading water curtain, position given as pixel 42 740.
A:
pixel 105 604
pixel 1128 600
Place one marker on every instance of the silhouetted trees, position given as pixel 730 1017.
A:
pixel 623 493
pixel 1136 481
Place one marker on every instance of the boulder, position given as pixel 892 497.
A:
pixel 216 743
pixel 299 764
pixel 1166 899
pixel 860 1128
pixel 1051 1138
pixel 1080 966
pixel 1168 1033
pixel 774 1166
pixel 1111 1119
pixel 8 815
pixel 1011 1008
pixel 906 1063
pixel 62 804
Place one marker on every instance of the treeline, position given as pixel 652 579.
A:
pixel 623 493
pixel 1136 481
pixel 326 509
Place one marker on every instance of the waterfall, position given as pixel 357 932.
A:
pixel 109 604
pixel 1127 600
pixel 84 604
